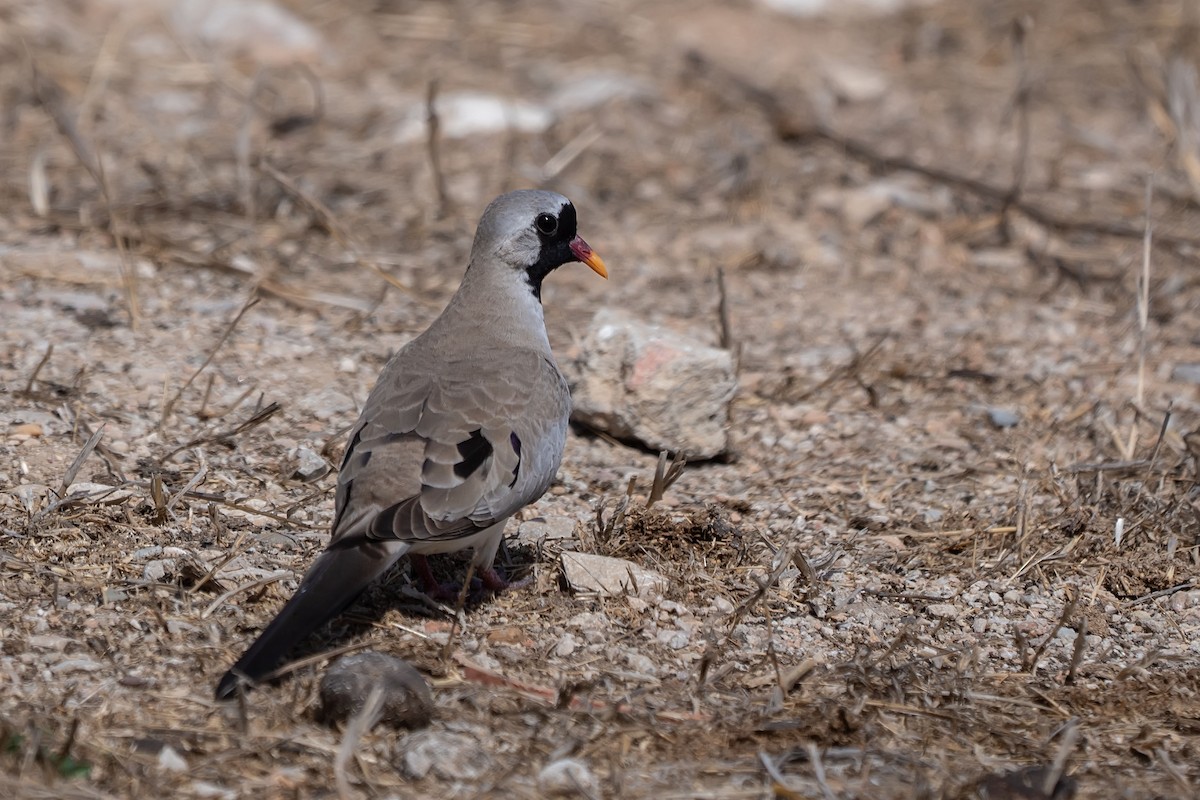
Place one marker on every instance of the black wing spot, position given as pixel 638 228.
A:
pixel 350 447
pixel 474 451
pixel 515 441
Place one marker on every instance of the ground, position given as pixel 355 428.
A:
pixel 957 534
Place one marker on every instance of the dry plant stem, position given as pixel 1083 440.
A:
pixel 169 406
pixel 1067 611
pixel 571 151
pixel 37 370
pixel 1055 773
pixel 665 476
pixel 1021 108
pixel 316 658
pixel 335 229
pixel 1078 651
pixel 189 486
pixel 435 161
pixel 50 95
pixel 77 464
pixel 1186 586
pixel 850 369
pixel 814 756
pixel 259 417
pixel 245 587
pixel 234 551
pixel 726 329
pixel 1162 432
pixel 359 724
pixel 1143 319
pixel 799 133
pixel 459 604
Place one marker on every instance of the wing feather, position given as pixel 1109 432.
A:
pixel 435 459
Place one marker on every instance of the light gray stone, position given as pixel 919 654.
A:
pixel 1003 417
pixel 586 572
pixel 653 385
pixel 1186 373
pixel 540 529
pixel 450 756
pixel 568 777
pixel 309 465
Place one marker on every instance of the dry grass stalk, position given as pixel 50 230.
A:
pixel 664 476
pixel 1020 108
pixel 458 619
pixel 53 99
pixel 571 151
pixel 257 418
pixel 192 483
pixel 814 757
pixel 158 496
pixel 77 464
pixel 338 232
pixel 1070 735
pixel 432 144
pixel 1143 321
pixel 45 359
pixel 1078 650
pixel 802 132
pixel 169 406
pixel 358 726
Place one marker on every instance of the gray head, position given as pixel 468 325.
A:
pixel 532 233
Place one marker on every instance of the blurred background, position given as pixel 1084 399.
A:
pixel 948 250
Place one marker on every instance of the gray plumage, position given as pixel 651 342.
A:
pixel 465 426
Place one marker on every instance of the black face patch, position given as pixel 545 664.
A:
pixel 474 451
pixel 556 247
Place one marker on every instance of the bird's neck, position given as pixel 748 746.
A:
pixel 504 305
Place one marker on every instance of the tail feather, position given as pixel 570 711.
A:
pixel 334 581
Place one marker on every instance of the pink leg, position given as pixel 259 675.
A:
pixel 490 578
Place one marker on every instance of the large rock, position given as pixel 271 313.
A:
pixel 644 382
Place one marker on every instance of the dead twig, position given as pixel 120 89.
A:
pixel 801 132
pixel 259 417
pixel 1186 586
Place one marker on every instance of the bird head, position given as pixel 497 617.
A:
pixel 532 233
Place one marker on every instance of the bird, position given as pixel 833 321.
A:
pixel 465 426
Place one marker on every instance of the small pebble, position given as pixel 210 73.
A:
pixel 1003 417
pixel 566 645
pixel 568 777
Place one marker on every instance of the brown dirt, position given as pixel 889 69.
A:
pixel 877 595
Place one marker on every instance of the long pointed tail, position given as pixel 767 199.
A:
pixel 336 578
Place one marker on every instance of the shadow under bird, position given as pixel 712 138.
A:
pixel 465 426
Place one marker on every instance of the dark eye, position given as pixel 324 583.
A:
pixel 547 224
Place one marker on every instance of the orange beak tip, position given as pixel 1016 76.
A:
pixel 583 251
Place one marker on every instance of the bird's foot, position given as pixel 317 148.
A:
pixel 487 581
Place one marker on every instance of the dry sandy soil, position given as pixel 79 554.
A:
pixel 957 536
